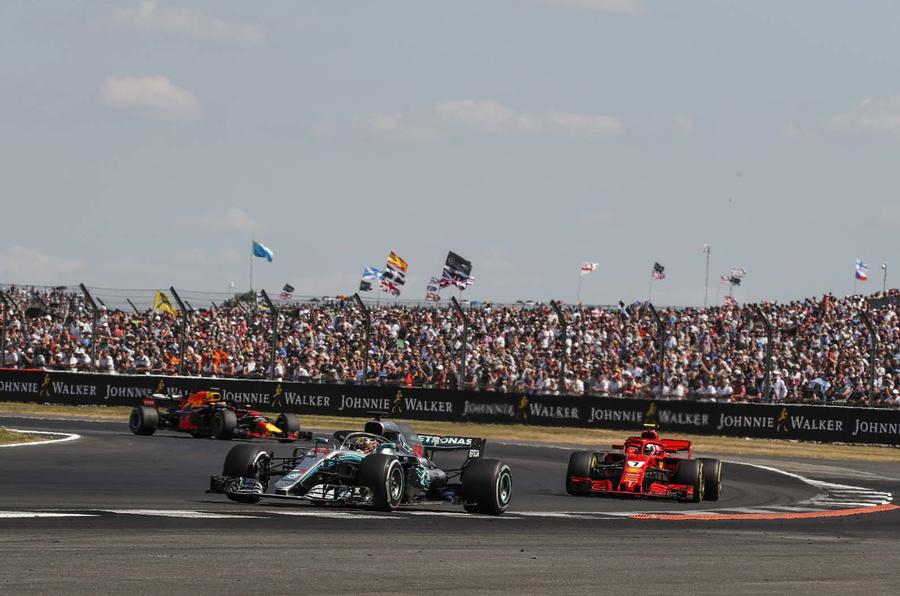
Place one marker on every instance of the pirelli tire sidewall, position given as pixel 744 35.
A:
pixel 223 424
pixel 247 461
pixel 143 420
pixel 690 472
pixel 580 464
pixel 712 478
pixel 486 486
pixel 384 476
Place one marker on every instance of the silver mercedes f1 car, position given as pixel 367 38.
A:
pixel 384 466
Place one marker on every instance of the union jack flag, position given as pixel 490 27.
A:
pixel 390 287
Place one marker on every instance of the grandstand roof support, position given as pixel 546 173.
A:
pixel 90 300
pixel 368 319
pixel 184 329
pixel 461 373
pixel 661 350
pixel 565 352
pixel 767 379
pixel 274 312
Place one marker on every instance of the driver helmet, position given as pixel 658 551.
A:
pixel 364 444
pixel 650 449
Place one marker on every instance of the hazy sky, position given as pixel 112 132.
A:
pixel 143 144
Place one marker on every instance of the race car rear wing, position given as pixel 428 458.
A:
pixel 434 443
pixel 676 445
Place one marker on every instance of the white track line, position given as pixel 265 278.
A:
pixel 22 514
pixel 179 513
pixel 455 514
pixel 65 437
pixel 334 514
pixel 550 514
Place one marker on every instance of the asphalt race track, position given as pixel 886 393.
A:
pixel 111 511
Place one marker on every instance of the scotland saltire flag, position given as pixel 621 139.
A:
pixel 263 252
pixel 862 270
pixel 371 273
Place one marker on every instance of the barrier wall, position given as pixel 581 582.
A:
pixel 832 424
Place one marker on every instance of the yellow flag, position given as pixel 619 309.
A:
pixel 162 303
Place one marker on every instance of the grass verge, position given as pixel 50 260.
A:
pixel 8 437
pixel 586 437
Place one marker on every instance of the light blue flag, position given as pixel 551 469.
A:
pixel 372 273
pixel 263 252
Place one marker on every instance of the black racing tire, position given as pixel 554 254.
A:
pixel 246 461
pixel 143 420
pixel 712 479
pixel 580 464
pixel 383 475
pixel 690 472
pixel 486 486
pixel 289 423
pixel 223 424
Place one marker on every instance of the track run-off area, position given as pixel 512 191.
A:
pixel 107 503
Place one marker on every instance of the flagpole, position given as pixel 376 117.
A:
pixel 650 289
pixel 884 277
pixel 251 265
pixel 578 291
pixel 706 285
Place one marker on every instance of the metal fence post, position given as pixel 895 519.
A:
pixel 90 300
pixel 274 312
pixel 461 375
pixel 661 350
pixel 133 307
pixel 873 353
pixel 368 322
pixel 564 360
pixel 184 327
pixel 7 308
pixel 770 334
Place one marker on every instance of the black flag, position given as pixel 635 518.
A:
pixel 457 267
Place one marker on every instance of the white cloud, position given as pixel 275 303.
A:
pixel 150 16
pixel 890 216
pixel 631 7
pixel 791 130
pixel 395 123
pixel 494 117
pixel 233 219
pixel 880 116
pixel 383 121
pixel 25 265
pixel 597 217
pixel 685 124
pixel 154 95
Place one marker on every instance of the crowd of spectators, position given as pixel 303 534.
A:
pixel 820 346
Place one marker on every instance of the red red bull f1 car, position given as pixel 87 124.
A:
pixel 205 414
pixel 646 466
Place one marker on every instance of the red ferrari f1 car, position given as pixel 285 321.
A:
pixel 646 466
pixel 205 414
